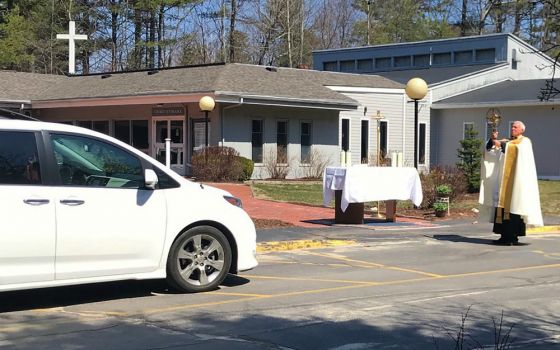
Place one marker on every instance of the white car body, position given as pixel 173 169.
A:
pixel 53 235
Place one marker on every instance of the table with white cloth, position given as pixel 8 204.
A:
pixel 358 184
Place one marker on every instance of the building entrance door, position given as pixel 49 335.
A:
pixel 174 129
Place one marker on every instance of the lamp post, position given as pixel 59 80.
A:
pixel 377 118
pixel 416 89
pixel 206 104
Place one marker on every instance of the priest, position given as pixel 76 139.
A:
pixel 509 191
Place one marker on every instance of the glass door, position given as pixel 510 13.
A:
pixel 174 129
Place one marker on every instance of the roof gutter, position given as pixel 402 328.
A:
pixel 287 102
pixel 489 104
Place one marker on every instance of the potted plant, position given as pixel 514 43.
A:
pixel 443 191
pixel 440 209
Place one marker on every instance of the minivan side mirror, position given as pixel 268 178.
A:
pixel 150 179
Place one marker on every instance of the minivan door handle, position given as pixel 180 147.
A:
pixel 72 202
pixel 36 201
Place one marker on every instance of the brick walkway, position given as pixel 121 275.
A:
pixel 298 215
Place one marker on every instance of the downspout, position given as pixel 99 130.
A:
pixel 222 117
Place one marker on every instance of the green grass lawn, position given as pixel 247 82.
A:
pixel 312 193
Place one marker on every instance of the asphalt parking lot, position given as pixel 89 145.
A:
pixel 407 288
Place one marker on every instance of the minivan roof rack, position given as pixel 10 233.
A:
pixel 6 113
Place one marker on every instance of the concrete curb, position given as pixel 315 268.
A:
pixel 544 229
pixel 301 244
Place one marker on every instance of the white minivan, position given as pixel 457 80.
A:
pixel 77 206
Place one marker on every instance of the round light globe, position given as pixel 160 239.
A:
pixel 416 88
pixel 206 104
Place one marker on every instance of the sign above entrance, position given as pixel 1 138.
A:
pixel 166 111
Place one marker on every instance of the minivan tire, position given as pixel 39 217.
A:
pixel 199 260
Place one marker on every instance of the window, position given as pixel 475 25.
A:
pixel 345 134
pixel 485 55
pixel 421 60
pixel 489 129
pixel 402 61
pixel 365 65
pixel 140 137
pixel 422 143
pixel 306 128
pixel 282 141
pixel 365 142
pixel 383 135
pixel 467 126
pixel 383 62
pixel 257 141
pixel 84 161
pixel 198 130
pixel 441 58
pixel 97 125
pixel 19 161
pixel 330 66
pixel 463 57
pixel 347 66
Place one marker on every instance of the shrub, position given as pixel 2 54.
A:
pixel 440 206
pixel 315 166
pixel 217 164
pixel 248 167
pixel 442 175
pixel 443 190
pixel 276 163
pixel 471 156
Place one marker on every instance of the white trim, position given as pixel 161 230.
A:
pixel 404 126
pixel 471 75
pixel 120 100
pixel 396 91
pixel 474 89
pixel 527 103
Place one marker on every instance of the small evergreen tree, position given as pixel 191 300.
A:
pixel 470 155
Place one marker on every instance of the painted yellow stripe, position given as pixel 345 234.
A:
pixel 238 294
pixel 544 229
pixel 354 285
pixel 372 264
pixel 301 244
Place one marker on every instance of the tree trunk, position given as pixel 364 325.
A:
pixel 152 40
pixel 161 32
pixel 114 29
pixel 464 18
pixel 137 51
pixel 289 33
pixel 232 19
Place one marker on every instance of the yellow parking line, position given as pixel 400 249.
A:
pixel 370 264
pixel 306 279
pixel 238 294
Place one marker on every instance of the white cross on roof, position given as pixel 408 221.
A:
pixel 72 37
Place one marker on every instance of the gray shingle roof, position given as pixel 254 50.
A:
pixel 516 92
pixel 21 86
pixel 437 75
pixel 229 79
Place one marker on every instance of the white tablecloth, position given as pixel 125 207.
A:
pixel 361 184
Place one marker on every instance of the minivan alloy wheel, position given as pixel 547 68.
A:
pixel 199 260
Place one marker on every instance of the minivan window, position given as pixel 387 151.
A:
pixel 19 161
pixel 84 161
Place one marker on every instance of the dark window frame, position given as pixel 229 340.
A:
pixel 257 158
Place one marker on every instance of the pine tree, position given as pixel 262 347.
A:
pixel 471 157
